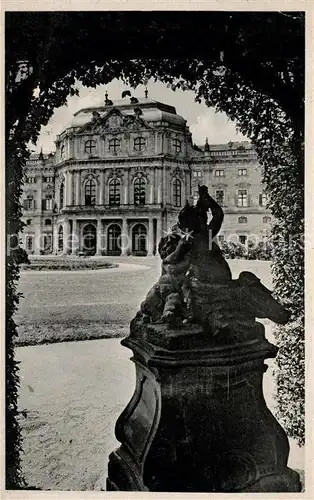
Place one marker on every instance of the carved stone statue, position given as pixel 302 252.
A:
pixel 198 420
pixel 196 284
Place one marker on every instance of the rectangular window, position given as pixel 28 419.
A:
pixel 219 173
pixel 242 198
pixel 29 243
pixel 29 203
pixel 48 179
pixel 221 238
pixel 47 204
pixel 220 196
pixel 197 173
pixel 30 180
pixel 263 199
pixel 242 172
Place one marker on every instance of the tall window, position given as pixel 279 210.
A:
pixel 219 173
pixel 242 198
pixel 114 145
pixel 62 151
pixel 220 196
pixel 263 199
pixel 176 145
pixel 139 237
pixel 90 147
pixel 266 220
pixel 47 202
pixel 29 243
pixel 62 195
pixel 114 238
pixel 114 192
pixel 90 192
pixel 60 238
pixel 139 144
pixel 197 173
pixel 242 220
pixel 47 222
pixel 139 191
pixel 176 187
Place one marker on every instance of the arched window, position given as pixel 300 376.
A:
pixel 176 145
pixel 60 238
pixel 114 240
pixel 62 151
pixel 89 239
pixel 62 195
pixel 114 192
pixel 242 220
pixel 90 192
pixel 47 222
pixel 139 144
pixel 114 145
pixel 139 239
pixel 90 147
pixel 176 191
pixel 139 191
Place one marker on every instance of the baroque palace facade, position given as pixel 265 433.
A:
pixel 120 175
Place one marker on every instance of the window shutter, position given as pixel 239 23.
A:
pixel 236 201
pixel 248 200
pixel 260 199
pixel 25 206
pixel 34 204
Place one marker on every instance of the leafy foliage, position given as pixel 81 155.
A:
pixel 249 65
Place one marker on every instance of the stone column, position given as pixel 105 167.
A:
pixel 125 238
pixel 78 188
pixel 159 186
pixel 70 200
pixel 55 237
pixel 75 238
pixel 198 421
pixel 158 235
pixel 99 238
pixel 150 239
pixel 126 187
pixel 66 237
pixel 152 187
pixel 101 187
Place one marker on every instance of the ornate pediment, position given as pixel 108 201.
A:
pixel 114 122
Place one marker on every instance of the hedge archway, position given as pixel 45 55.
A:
pixel 249 65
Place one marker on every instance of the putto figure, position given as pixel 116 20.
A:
pixel 196 282
pixel 166 302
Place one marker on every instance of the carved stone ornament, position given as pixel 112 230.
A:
pixel 90 175
pixel 114 122
pixel 139 172
pixel 115 173
pixel 178 172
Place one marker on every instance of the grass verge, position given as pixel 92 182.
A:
pixel 36 334
pixel 66 265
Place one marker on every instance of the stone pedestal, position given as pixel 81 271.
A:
pixel 198 421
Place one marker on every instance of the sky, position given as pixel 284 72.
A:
pixel 203 121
